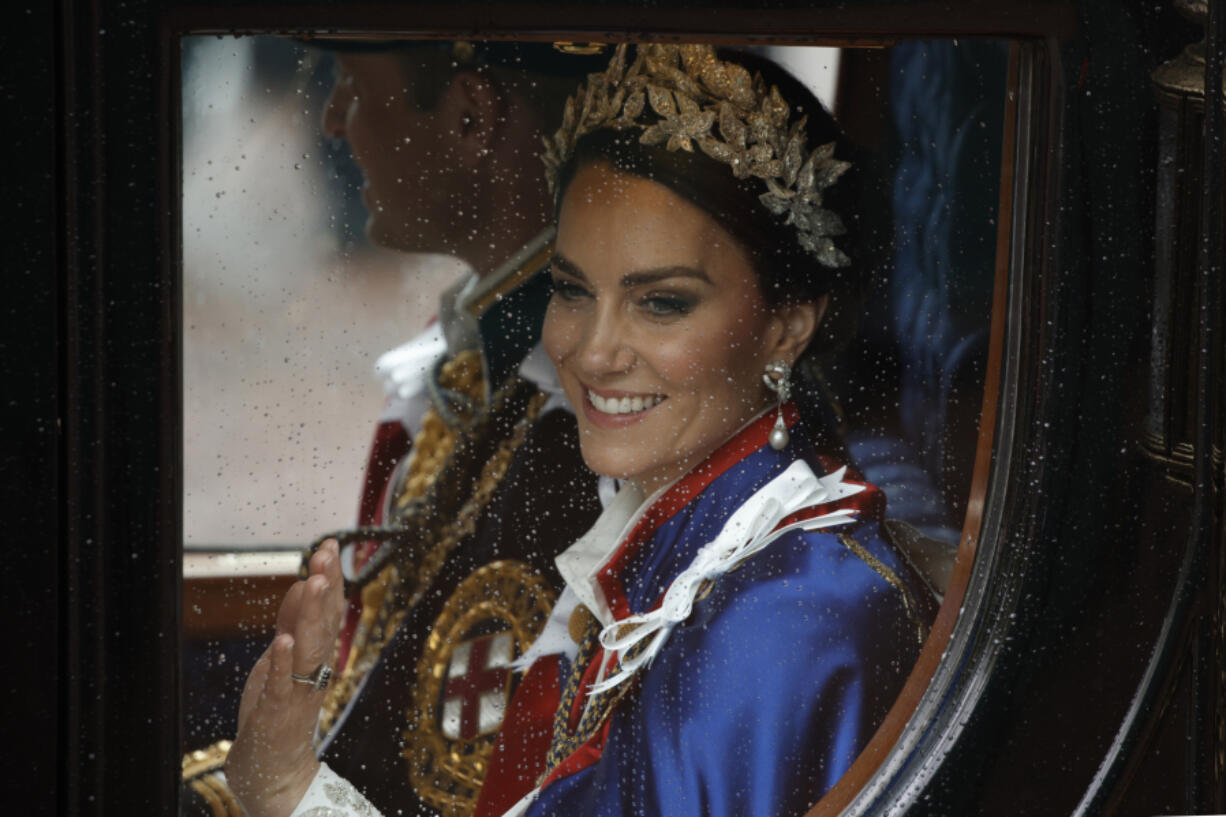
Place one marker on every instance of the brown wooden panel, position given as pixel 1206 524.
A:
pixel 239 606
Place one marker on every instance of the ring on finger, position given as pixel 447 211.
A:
pixel 319 679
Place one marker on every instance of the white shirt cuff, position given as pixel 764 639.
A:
pixel 331 795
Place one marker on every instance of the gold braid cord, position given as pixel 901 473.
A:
pixel 405 579
pixel 382 610
pixel 891 578
pixel 435 442
pixel 465 523
pixel 682 95
pixel 601 704
pixel 447 774
pixel 200 772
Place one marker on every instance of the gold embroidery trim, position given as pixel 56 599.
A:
pixel 207 794
pixel 491 477
pixel 226 797
pixel 202 761
pixel 447 773
pixel 392 604
pixel 892 579
pixel 381 615
pixel 435 442
pixel 200 772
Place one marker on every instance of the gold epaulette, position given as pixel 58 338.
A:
pixel 201 771
pixel 434 443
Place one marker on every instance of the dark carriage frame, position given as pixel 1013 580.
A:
pixel 1090 656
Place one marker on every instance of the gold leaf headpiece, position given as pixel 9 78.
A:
pixel 679 95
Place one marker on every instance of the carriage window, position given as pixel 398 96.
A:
pixel 358 213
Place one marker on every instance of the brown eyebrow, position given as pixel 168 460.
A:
pixel 632 279
pixel 564 264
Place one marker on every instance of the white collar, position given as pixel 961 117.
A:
pixel 403 370
pixel 580 562
pixel 579 565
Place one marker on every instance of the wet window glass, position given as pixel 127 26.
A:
pixel 385 337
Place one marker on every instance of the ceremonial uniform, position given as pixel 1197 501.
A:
pixel 487 484
pixel 755 628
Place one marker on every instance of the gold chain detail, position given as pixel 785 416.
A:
pixel 388 604
pixel 564 742
pixel 381 616
pixel 491 476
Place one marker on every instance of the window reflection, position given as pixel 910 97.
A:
pixel 286 303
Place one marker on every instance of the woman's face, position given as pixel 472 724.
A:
pixel 657 327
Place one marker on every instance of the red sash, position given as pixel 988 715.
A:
pixel 390 445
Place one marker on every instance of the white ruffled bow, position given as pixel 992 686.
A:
pixel 751 528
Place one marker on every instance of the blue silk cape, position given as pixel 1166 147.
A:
pixel 762 700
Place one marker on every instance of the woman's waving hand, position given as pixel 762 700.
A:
pixel 273 761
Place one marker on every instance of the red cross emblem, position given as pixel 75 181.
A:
pixel 478 675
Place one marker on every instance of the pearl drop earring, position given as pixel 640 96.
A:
pixel 777 378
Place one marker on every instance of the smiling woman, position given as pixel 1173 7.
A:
pixel 1095 520
pixel 661 340
pixel 739 593
pixel 694 262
